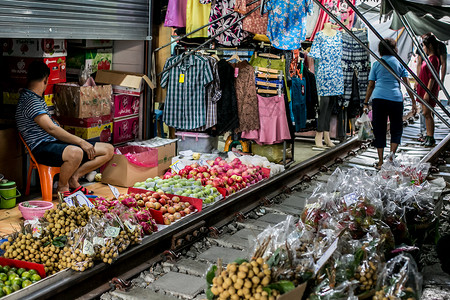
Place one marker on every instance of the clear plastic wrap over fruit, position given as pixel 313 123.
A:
pixel 399 279
pixel 405 169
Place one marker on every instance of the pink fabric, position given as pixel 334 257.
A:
pixel 272 117
pixel 176 13
pixel 340 9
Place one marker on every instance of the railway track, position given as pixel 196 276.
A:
pixel 178 255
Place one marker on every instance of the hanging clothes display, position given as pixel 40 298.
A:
pixel 176 13
pixel 228 116
pixel 287 22
pixel 254 23
pixel 246 96
pixel 356 68
pixel 340 9
pixel 234 35
pixel 277 64
pixel 274 127
pixel 312 98
pixel 213 94
pixel 298 102
pixel 197 15
pixel 328 51
pixel 186 86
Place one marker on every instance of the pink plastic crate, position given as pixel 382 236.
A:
pixel 125 129
pixel 125 105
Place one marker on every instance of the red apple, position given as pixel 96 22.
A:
pixel 182 213
pixel 177 215
pixel 148 194
pixel 140 203
pixel 162 201
pixel 145 199
pixel 230 181
pixel 194 165
pixel 163 209
pixel 153 200
pixel 165 197
pixel 177 207
pixel 171 218
pixel 132 195
pixel 161 193
pixel 170 202
pixel 150 205
pixel 137 196
pixel 187 204
pixel 157 205
pixel 167 221
pixel 176 199
pixel 171 210
pixel 202 169
pixel 187 211
pixel 191 207
pixel 238 178
pixel 156 195
pixel 182 205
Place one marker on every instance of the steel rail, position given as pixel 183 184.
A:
pixel 383 63
pixel 70 284
pixel 411 72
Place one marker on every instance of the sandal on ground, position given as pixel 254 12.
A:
pixel 376 166
pixel 421 139
pixel 66 194
pixel 83 190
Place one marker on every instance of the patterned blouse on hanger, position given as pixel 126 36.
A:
pixel 328 50
pixel 234 35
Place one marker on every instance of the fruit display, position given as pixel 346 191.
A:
pixel 182 187
pixel 243 280
pixel 13 279
pixel 232 176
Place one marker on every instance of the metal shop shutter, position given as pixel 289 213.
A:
pixel 74 19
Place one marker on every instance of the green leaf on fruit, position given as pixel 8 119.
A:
pixel 274 260
pixel 283 286
pixel 211 274
pixel 209 294
pixel 239 261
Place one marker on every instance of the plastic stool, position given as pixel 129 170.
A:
pixel 46 174
pixel 158 118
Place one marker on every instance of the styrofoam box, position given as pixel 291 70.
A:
pixel 197 142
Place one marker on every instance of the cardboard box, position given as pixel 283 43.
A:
pixel 34 47
pixel 125 105
pixel 17 68
pixel 91 43
pixel 77 101
pixel 95 129
pixel 295 294
pixel 119 171
pixel 92 60
pixel 124 82
pixel 125 129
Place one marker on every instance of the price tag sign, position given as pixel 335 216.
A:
pixel 350 199
pixel 202 163
pixel 177 166
pixel 81 199
pixel 114 190
pixel 326 256
pixel 111 231
pixel 99 241
pixel 88 248
pixel 130 227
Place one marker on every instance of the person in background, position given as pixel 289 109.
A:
pixel 387 100
pixel 442 54
pixel 49 143
pixel 430 46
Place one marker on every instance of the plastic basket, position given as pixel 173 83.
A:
pixel 29 213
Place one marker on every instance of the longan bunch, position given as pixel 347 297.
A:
pixel 381 295
pixel 24 247
pixel 75 258
pixel 244 281
pixel 367 276
pixel 122 241
pixel 63 220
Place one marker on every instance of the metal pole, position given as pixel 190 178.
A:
pixel 413 74
pixel 200 28
pixel 423 54
pixel 382 62
pixel 148 117
pixel 209 40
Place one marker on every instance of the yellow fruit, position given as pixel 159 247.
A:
pixel 243 268
pixel 265 266
pixel 260 261
pixel 255 280
pixel 248 283
pixel 214 291
pixel 234 278
pixel 232 291
pixel 241 275
pixel 265 281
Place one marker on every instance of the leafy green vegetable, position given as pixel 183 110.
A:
pixel 283 286
pixel 209 294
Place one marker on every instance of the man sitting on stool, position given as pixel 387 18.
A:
pixel 50 144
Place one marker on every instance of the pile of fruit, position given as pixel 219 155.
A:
pixel 13 279
pixel 182 187
pixel 232 176
pixel 171 207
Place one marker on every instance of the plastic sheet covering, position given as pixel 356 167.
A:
pixel 140 156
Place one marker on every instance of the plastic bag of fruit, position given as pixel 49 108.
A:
pixel 104 240
pixel 399 279
pixel 79 250
pixel 131 225
pixel 419 205
pixel 406 169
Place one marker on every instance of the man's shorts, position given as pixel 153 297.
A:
pixel 50 153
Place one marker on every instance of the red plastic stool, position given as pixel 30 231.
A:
pixel 46 174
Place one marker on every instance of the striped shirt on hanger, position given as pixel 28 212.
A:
pixel 29 107
pixel 185 106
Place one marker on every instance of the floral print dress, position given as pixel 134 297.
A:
pixel 235 34
pixel 287 22
pixel 328 51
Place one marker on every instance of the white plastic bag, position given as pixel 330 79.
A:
pixel 365 128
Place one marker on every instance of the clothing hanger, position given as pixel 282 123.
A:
pixel 215 55
pixel 266 70
pixel 235 56
pixel 269 76
pixel 269 55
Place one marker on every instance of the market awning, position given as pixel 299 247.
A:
pixel 424 24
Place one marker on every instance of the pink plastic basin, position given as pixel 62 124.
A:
pixel 28 213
